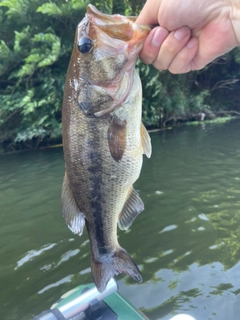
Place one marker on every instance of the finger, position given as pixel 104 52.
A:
pixel 152 44
pixel 214 40
pixel 171 46
pixel 183 61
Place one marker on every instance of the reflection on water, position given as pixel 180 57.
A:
pixel 56 284
pixel 186 242
pixel 33 253
pixel 205 292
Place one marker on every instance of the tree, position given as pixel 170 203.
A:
pixel 35 48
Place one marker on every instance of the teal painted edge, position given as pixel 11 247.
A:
pixel 123 308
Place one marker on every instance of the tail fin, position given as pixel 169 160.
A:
pixel 109 266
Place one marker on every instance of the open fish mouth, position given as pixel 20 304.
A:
pixel 118 26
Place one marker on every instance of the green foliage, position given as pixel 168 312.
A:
pixel 168 98
pixel 35 46
pixel 15 8
pixel 64 9
pixel 213 121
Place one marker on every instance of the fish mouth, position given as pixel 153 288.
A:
pixel 118 26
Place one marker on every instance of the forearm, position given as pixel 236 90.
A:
pixel 235 17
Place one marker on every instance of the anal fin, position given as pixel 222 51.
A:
pixel 146 141
pixel 131 210
pixel 71 213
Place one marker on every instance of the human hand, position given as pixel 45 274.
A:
pixel 191 34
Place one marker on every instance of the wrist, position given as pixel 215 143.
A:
pixel 235 18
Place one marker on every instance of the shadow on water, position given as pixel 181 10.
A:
pixel 186 242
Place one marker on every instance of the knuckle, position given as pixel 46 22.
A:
pixel 147 58
pixel 174 70
pixel 160 66
pixel 171 50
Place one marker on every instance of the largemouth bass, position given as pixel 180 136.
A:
pixel 104 139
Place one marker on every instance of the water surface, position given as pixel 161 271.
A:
pixel 186 242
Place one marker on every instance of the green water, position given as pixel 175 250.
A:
pixel 186 242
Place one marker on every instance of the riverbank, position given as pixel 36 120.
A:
pixel 34 144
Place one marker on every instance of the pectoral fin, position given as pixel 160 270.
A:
pixel 130 211
pixel 71 213
pixel 146 141
pixel 117 138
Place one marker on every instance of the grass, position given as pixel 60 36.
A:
pixel 215 121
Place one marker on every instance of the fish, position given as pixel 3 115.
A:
pixel 104 139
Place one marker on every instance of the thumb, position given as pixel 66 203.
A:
pixel 149 13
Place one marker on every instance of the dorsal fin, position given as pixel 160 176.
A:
pixel 146 141
pixel 130 211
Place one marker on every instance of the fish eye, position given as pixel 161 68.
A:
pixel 84 45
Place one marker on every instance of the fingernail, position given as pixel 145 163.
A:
pixel 181 33
pixel 159 36
pixel 192 43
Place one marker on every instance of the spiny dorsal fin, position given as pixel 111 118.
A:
pixel 146 141
pixel 117 138
pixel 130 211
pixel 71 213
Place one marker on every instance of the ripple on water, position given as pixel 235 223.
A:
pixel 66 256
pixel 56 284
pixel 85 271
pixel 158 192
pixel 32 254
pixel 168 228
pixel 150 260
pixel 167 252
pixel 202 216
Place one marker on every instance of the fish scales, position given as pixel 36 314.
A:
pixel 103 142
